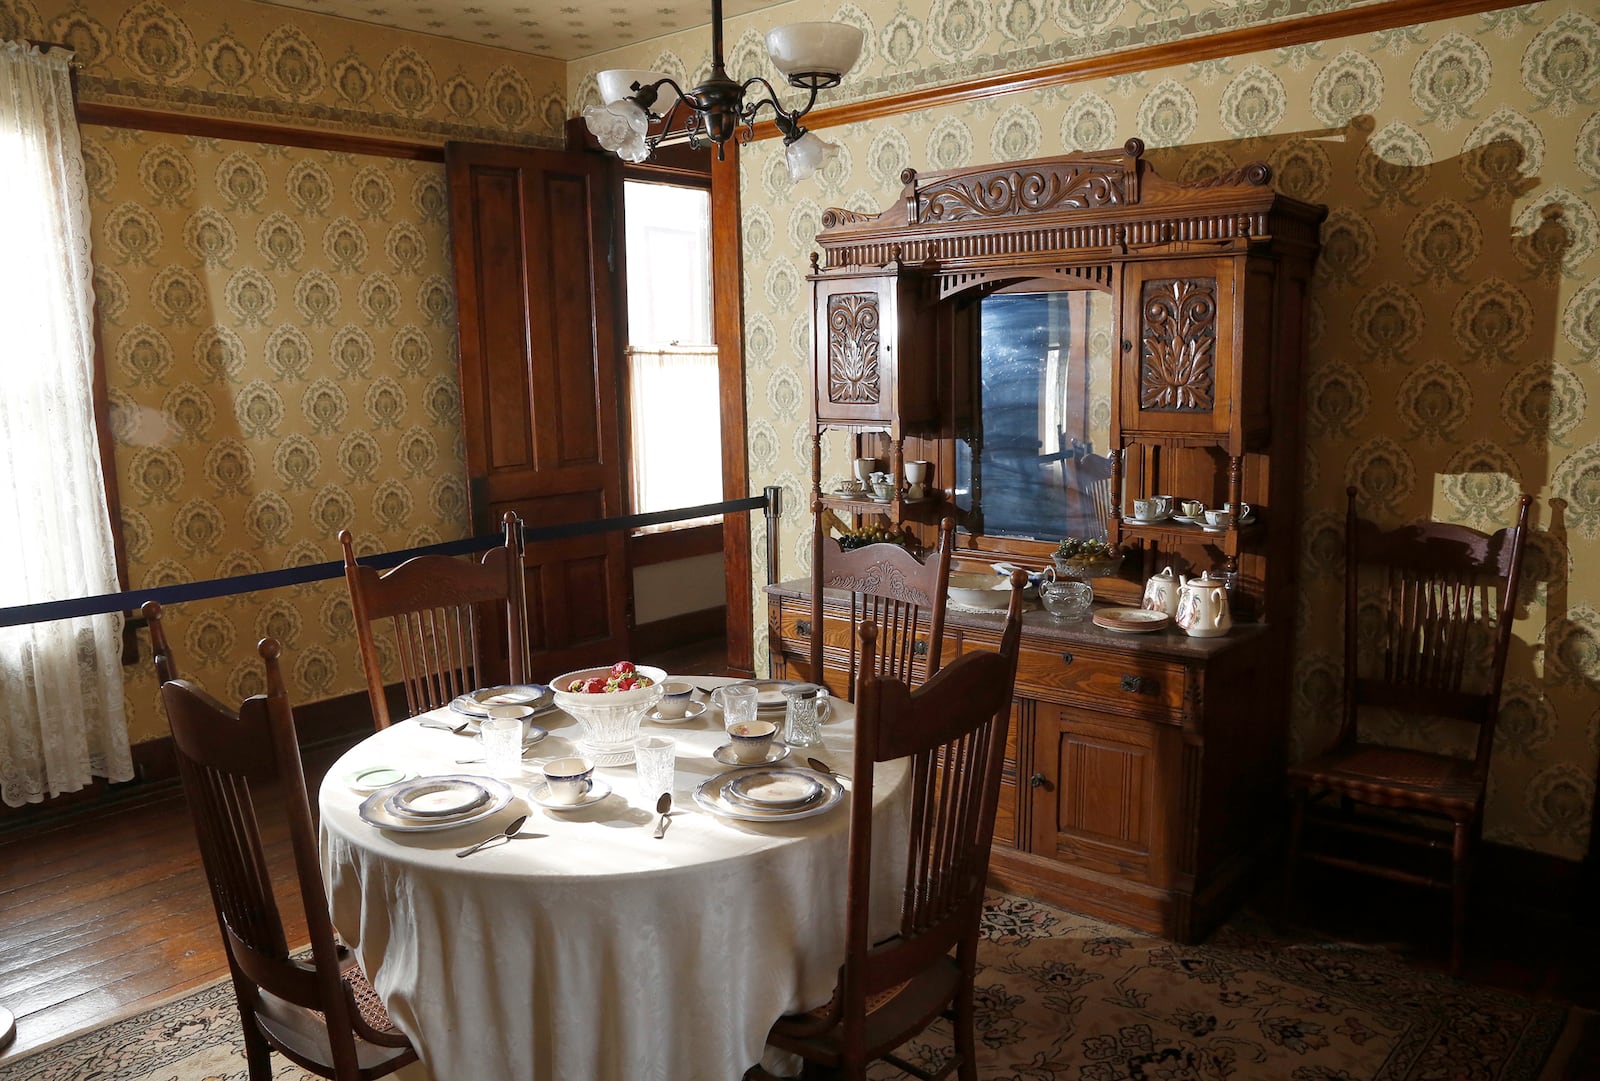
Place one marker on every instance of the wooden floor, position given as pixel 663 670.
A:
pixel 104 912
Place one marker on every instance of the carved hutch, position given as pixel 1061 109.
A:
pixel 1144 772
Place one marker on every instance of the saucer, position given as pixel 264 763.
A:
pixel 539 792
pixel 1186 520
pixel 695 709
pixel 1212 528
pixel 1147 521
pixel 369 779
pixel 777 751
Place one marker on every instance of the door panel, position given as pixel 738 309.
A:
pixel 537 312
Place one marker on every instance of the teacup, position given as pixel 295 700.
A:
pixel 1193 508
pixel 864 467
pixel 883 489
pixel 675 699
pixel 1218 517
pixel 1242 513
pixel 569 779
pixel 1163 505
pixel 752 740
pixel 1146 510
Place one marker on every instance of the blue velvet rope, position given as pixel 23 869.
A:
pixel 45 611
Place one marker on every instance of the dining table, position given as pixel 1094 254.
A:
pixel 585 947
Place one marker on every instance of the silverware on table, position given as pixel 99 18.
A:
pixel 453 729
pixel 822 767
pixel 663 808
pixel 511 828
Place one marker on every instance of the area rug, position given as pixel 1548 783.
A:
pixel 1062 997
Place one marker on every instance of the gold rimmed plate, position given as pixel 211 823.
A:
pixel 1131 620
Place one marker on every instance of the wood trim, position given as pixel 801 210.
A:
pixel 675 631
pixel 727 314
pixel 670 545
pixel 1311 28
pixel 209 127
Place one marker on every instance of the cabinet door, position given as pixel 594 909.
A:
pixel 1180 347
pixel 856 321
pixel 1103 803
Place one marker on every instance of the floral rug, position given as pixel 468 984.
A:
pixel 1062 997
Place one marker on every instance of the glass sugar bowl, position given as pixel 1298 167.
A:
pixel 1066 600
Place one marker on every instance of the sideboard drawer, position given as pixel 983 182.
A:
pixel 1127 683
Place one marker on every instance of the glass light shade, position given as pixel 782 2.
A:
pixel 807 154
pixel 617 83
pixel 807 48
pixel 620 128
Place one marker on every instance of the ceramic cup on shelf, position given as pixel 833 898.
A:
pixel 1163 505
pixel 1243 510
pixel 1218 518
pixel 1193 508
pixel 917 472
pixel 1145 510
pixel 864 468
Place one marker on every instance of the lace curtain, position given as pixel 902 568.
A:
pixel 61 716
pixel 677 440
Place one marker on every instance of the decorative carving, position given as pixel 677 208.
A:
pixel 1256 173
pixel 993 195
pixel 853 377
pixel 835 215
pixel 882 578
pixel 1178 335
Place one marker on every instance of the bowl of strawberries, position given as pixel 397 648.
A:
pixel 609 703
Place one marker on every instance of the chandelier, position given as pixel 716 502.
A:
pixel 812 56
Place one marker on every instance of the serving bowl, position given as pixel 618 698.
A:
pixel 609 721
pixel 972 589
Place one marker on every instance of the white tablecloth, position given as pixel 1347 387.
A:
pixel 597 952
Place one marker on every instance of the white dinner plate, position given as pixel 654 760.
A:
pixel 777 751
pixel 769 693
pixel 773 789
pixel 695 709
pixel 371 778
pixel 539 793
pixel 708 797
pixel 374 810
pixel 535 696
pixel 437 797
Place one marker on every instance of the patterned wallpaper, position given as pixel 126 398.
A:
pixel 279 332
pixel 256 62
pixel 1456 317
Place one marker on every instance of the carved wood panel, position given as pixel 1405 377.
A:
pixel 1023 191
pixel 853 337
pixel 1178 345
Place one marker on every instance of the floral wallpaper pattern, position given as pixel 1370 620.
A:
pixel 256 62
pixel 1456 307
pixel 279 334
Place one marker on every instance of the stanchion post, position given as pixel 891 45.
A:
pixel 773 511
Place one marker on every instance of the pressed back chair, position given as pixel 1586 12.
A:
pixel 1428 612
pixel 161 652
pixel 888 586
pixel 321 1014
pixel 436 605
pixel 953 731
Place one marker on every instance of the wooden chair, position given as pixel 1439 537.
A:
pixel 436 604
pixel 1427 622
pixel 890 587
pixel 953 729
pixel 166 664
pixel 321 1014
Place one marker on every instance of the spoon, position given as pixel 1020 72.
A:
pixel 663 805
pixel 822 767
pixel 453 729
pixel 512 827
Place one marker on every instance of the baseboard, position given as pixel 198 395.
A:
pixel 675 631
pixel 155 766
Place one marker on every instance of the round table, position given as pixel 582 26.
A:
pixel 595 950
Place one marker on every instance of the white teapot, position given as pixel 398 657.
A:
pixel 1203 607
pixel 1161 592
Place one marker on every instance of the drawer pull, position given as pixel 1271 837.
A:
pixel 1036 781
pixel 803 626
pixel 919 649
pixel 1141 685
pixel 1066 658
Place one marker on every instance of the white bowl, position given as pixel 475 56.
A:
pixel 608 718
pixel 974 590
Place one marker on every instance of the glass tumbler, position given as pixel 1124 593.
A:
pixel 738 705
pixel 656 759
pixel 804 707
pixel 502 745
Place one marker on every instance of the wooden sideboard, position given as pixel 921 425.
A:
pixel 1143 772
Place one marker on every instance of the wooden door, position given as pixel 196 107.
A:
pixel 1180 334
pixel 536 306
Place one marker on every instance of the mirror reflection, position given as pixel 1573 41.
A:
pixel 1037 464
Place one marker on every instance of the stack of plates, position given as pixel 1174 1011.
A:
pixel 768 795
pixel 536 697
pixel 435 803
pixel 1130 620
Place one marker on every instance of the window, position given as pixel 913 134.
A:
pixel 673 399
